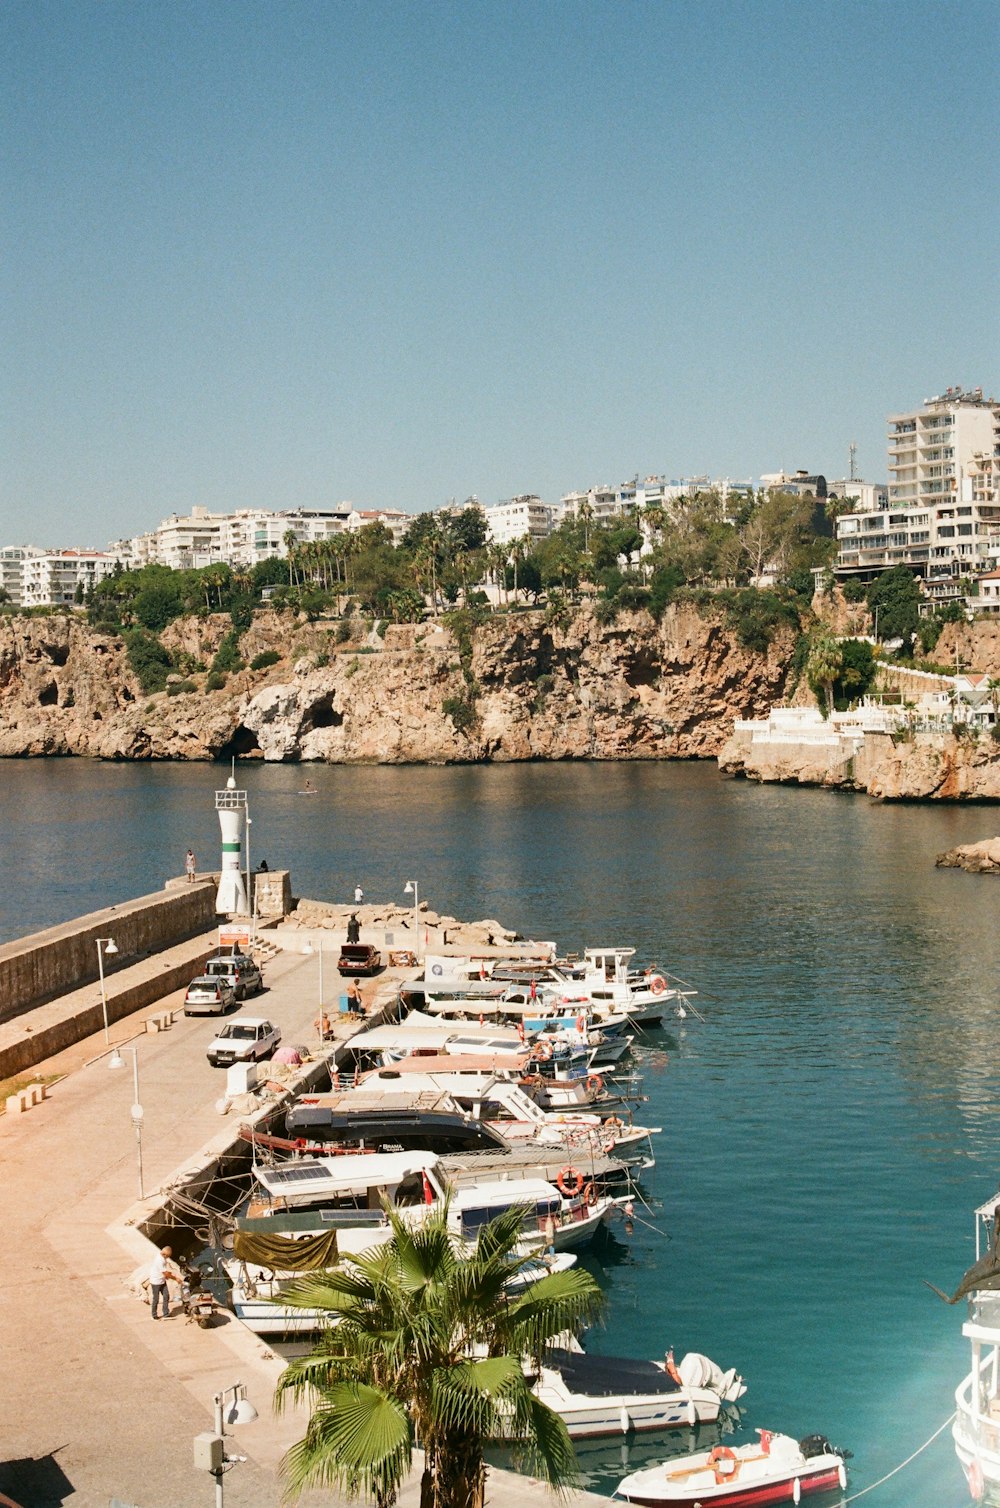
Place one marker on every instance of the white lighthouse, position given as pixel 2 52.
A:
pixel 231 806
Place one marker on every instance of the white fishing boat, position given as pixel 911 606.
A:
pixel 349 1194
pixel 773 1469
pixel 516 1115
pixel 609 1395
pixel 257 1288
pixel 976 1431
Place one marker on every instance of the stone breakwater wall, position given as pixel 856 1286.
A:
pixel 36 969
pixel 522 686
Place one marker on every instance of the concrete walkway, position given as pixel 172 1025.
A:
pixel 100 1402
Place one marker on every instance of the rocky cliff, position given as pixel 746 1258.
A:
pixel 520 687
pixel 916 767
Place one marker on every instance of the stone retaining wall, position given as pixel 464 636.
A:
pixel 61 959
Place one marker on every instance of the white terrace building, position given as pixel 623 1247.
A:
pixel 942 517
pixel 51 578
pixel 519 517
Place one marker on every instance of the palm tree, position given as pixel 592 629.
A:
pixel 826 660
pixel 428 1349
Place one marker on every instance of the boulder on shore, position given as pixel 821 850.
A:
pixel 977 858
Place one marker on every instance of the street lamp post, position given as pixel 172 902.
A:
pixel 210 1449
pixel 105 945
pixel 412 888
pixel 117 1061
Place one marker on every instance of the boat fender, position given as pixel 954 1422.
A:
pixel 570 1181
pixel 796 1492
pixel 726 1465
pixel 977 1484
pixel 581 1023
pixel 595 1084
pixel 842 1476
pixel 657 984
pixel 670 1367
pixel 543 1051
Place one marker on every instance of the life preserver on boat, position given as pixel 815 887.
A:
pixel 590 1194
pixel 724 1462
pixel 657 984
pixel 570 1181
pixel 543 1051
pixel 977 1483
pixel 595 1083
pixel 581 1023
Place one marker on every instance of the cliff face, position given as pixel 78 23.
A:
pixel 571 690
pixel 924 766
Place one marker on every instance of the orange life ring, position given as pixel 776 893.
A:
pixel 543 1051
pixel 595 1084
pixel 657 984
pixel 570 1181
pixel 725 1463
pixel 581 1023
pixel 590 1194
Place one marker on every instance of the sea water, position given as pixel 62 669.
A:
pixel 827 1128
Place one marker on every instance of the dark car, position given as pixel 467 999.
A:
pixel 359 958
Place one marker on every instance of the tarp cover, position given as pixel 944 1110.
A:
pixel 287 1253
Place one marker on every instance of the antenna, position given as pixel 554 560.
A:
pixel 853 453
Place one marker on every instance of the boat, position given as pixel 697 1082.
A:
pixel 610 1395
pixel 976 1431
pixel 774 1469
pixel 516 1114
pixel 350 1194
pixel 256 1286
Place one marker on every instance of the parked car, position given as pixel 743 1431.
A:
pixel 241 971
pixel 209 995
pixel 359 958
pixel 245 1039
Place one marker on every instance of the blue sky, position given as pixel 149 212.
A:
pixel 294 253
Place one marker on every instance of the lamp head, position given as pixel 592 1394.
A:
pixel 116 1060
pixel 111 946
pixel 409 887
pixel 241 1411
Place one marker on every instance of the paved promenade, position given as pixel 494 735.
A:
pixel 100 1403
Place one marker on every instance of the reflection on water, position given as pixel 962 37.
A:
pixel 827 1129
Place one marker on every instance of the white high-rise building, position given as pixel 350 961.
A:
pixel 55 578
pixel 942 517
pixel 929 448
pixel 517 518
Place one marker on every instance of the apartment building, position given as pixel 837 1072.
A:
pixel 55 578
pixel 520 517
pixel 867 496
pixel 942 516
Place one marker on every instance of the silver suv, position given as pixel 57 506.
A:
pixel 241 971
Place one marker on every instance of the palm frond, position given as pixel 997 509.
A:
pixel 358 1439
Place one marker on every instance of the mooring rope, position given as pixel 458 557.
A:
pixel 882 1480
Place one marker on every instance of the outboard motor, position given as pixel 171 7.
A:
pixel 819 1445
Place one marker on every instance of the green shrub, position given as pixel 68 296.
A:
pixel 755 616
pixel 264 659
pixel 664 586
pixel 215 680
pixel 181 688
pixel 462 713
pixel 343 631
pixel 383 625
pixel 148 658
pixel 228 655
pixel 606 610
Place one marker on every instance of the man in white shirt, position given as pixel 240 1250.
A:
pixel 359 895
pixel 160 1270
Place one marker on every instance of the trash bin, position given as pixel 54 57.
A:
pixel 343 1005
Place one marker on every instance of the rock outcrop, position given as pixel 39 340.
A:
pixel 917 766
pixel 977 858
pixel 521 687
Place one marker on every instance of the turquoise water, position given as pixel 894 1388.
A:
pixel 827 1130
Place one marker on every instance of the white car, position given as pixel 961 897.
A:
pixel 209 996
pixel 246 1039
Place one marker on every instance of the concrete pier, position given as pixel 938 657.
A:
pixel 101 1403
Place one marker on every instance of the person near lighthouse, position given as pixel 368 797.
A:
pixel 190 865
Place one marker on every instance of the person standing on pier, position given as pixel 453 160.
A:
pixel 190 864
pixel 359 895
pixel 353 928
pixel 355 1005
pixel 162 1269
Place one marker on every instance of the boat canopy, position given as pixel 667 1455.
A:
pixel 287 1253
